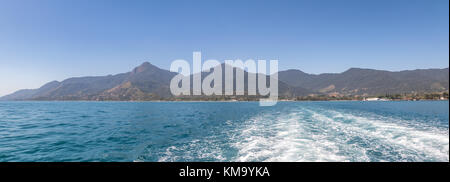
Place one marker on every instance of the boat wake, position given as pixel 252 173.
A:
pixel 312 134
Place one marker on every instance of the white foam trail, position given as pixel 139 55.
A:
pixel 429 143
pixel 284 138
pixel 324 135
pixel 193 151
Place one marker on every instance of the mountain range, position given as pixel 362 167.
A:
pixel 148 82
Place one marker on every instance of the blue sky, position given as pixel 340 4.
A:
pixel 44 40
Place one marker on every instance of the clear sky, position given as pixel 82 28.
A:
pixel 43 40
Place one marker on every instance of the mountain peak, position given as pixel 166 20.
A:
pixel 357 70
pixel 295 71
pixel 354 69
pixel 146 66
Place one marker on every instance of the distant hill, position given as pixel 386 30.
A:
pixel 284 89
pixel 145 82
pixel 148 82
pixel 357 81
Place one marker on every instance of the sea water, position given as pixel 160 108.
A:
pixel 224 131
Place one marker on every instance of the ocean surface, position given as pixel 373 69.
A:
pixel 224 131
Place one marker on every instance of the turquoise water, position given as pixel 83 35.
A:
pixel 224 131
